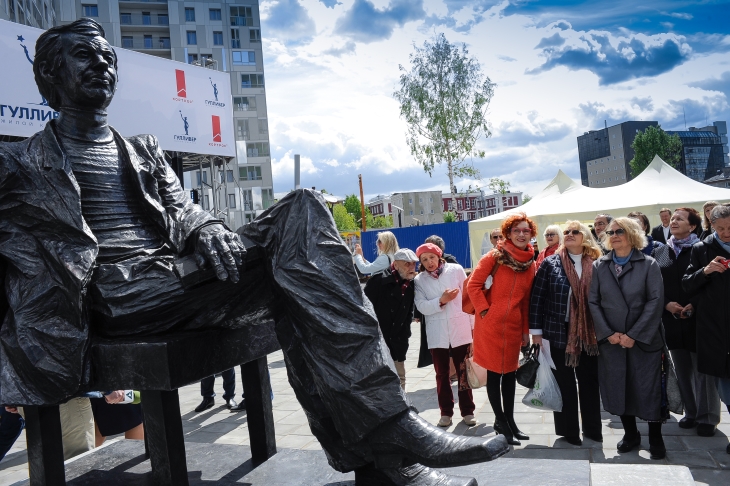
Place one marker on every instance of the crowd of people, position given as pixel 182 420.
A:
pixel 617 306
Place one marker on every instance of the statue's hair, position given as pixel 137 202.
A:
pixel 48 50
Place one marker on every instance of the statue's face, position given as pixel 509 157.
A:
pixel 87 77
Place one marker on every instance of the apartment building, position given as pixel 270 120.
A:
pixel 704 151
pixel 477 204
pixel 222 35
pixel 416 208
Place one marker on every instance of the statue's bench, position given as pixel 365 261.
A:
pixel 158 366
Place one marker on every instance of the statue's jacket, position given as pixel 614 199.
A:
pixel 48 255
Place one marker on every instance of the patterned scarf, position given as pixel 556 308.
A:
pixel 678 245
pixel 581 332
pixel 439 270
pixel 507 254
pixel 404 282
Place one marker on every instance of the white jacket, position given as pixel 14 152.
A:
pixel 378 265
pixel 448 325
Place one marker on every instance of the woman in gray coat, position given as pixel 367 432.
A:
pixel 626 301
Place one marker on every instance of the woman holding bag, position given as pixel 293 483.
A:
pixel 626 301
pixel 559 313
pixel 501 327
pixel 448 328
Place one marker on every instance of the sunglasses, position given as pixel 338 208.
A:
pixel 571 232
pixel 618 232
pixel 498 237
pixel 550 235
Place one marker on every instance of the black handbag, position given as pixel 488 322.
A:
pixel 527 372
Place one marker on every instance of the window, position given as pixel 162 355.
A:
pixel 163 19
pixel 189 14
pixel 410 200
pixel 192 38
pixel 430 199
pixel 229 176
pixel 125 18
pixel 250 173
pixel 252 80
pixel 242 132
pixel 254 35
pixel 244 103
pixel 90 10
pixel 420 199
pixel 460 204
pixel 127 42
pixel 432 211
pixel 263 126
pixel 257 149
pixel 232 201
pixel 244 58
pixel 217 38
pixel 421 211
pixel 242 16
pixel 146 18
pixel 164 42
pixel 411 213
pixel 205 177
pixel 148 42
pixel 192 58
pixel 215 14
pixel 235 39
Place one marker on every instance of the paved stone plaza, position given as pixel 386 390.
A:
pixel 705 457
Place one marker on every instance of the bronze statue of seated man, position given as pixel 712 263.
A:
pixel 92 225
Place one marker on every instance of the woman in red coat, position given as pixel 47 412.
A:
pixel 501 326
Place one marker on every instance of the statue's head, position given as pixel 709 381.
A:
pixel 75 66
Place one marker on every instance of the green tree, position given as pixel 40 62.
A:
pixel 526 198
pixel 450 217
pixel 343 219
pixel 655 141
pixel 444 99
pixel 382 222
pixel 498 186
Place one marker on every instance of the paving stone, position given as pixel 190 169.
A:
pixel 710 477
pixel 644 475
pixel 691 458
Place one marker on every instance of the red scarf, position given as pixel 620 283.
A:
pixel 581 332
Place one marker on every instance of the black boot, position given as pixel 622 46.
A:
pixel 656 442
pixel 515 431
pixel 415 475
pixel 502 427
pixel 408 436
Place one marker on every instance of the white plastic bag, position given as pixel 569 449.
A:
pixel 545 395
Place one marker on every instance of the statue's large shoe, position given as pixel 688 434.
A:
pixel 415 475
pixel 408 436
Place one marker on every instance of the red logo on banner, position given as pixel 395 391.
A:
pixel 182 92
pixel 216 128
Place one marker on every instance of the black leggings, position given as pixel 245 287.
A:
pixel 630 428
pixel 501 389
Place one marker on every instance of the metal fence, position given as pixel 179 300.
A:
pixel 456 236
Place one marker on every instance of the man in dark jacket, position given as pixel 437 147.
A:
pixel 392 294
pixel 660 233
pixel 93 226
pixel 707 281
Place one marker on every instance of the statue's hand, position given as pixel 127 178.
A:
pixel 222 249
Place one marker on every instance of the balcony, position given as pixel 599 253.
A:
pixel 154 44
pixel 144 20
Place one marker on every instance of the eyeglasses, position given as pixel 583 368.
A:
pixel 497 237
pixel 618 232
pixel 571 232
pixel 518 231
pixel 550 235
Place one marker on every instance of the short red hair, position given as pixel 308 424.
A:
pixel 515 219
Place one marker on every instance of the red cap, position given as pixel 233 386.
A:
pixel 428 248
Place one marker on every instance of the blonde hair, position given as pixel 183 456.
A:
pixel 705 220
pixel 553 228
pixel 634 233
pixel 589 245
pixel 388 243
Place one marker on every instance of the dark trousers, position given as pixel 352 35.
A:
pixel 11 425
pixel 229 385
pixel 587 393
pixel 443 383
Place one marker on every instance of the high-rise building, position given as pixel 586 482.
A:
pixel 223 35
pixel 704 151
pixel 604 155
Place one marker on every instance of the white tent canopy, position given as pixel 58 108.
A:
pixel 657 187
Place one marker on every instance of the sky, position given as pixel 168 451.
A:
pixel 561 68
